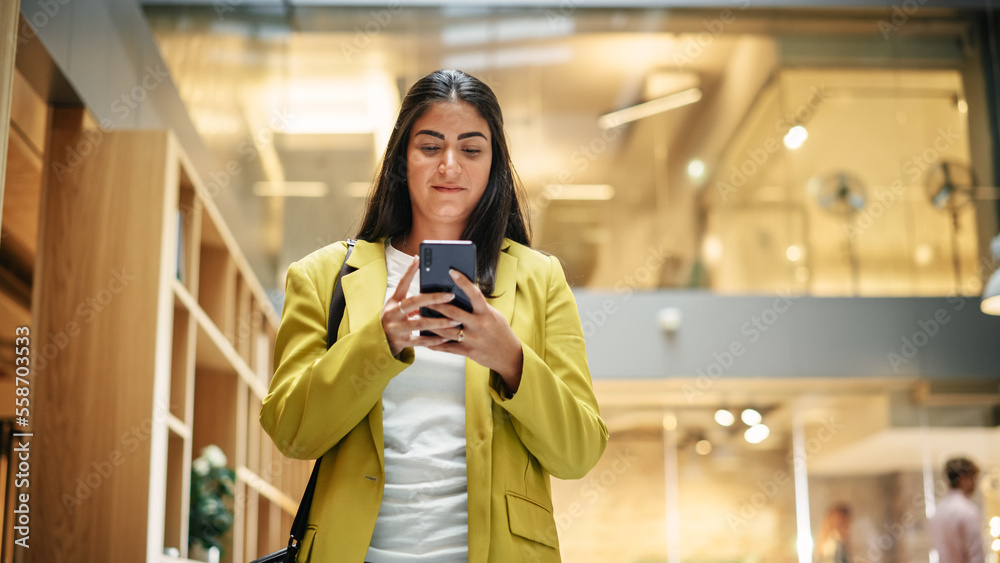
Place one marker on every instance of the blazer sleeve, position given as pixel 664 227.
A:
pixel 317 395
pixel 554 411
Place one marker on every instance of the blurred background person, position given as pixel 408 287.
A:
pixel 956 527
pixel 833 545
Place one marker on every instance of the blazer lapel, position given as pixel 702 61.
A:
pixel 364 290
pixel 506 283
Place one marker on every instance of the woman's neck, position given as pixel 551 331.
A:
pixel 410 242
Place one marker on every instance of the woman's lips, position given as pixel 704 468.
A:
pixel 448 189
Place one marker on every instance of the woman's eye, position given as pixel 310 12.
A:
pixel 472 150
pixel 429 148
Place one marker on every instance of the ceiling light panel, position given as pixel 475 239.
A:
pixel 505 30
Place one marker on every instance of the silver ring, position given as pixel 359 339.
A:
pixel 461 335
pixel 402 310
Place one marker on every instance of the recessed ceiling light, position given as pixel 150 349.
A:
pixel 650 108
pixel 724 417
pixel 696 169
pixel 757 433
pixel 796 136
pixel 751 417
pixel 669 421
pixel 711 248
pixel 793 253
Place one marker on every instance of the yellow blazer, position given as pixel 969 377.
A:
pixel 329 403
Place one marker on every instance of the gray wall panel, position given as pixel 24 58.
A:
pixel 54 21
pixel 815 336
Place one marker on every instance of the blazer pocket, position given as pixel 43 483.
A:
pixel 531 521
pixel 305 548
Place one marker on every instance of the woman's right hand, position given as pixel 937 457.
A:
pixel 400 315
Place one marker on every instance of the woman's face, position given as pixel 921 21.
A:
pixel 448 163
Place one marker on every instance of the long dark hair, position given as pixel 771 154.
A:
pixel 498 214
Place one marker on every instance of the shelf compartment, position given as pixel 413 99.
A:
pixel 293 477
pixel 270 535
pixel 181 362
pixel 212 350
pixel 244 327
pixel 253 436
pixel 263 356
pixel 177 427
pixel 175 524
pixel 189 210
pixel 215 422
pixel 268 490
pixel 256 326
pixel 250 523
pixel 214 412
pixel 270 458
pixel 217 287
pixel 239 528
pixel 287 475
pixel 237 533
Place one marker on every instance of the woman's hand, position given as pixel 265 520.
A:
pixel 484 337
pixel 400 318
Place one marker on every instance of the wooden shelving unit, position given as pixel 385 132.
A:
pixel 179 357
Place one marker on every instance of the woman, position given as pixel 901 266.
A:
pixel 834 536
pixel 436 448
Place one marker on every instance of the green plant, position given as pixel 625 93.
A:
pixel 211 498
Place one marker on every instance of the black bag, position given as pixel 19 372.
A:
pixel 337 306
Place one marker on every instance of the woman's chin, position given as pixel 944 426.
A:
pixel 450 216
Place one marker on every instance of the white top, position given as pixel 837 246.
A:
pixel 956 530
pixel 425 507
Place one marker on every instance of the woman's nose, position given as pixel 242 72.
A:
pixel 448 164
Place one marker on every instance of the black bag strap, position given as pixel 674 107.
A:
pixel 337 302
pixel 337 305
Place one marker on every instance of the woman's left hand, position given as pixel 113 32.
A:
pixel 484 336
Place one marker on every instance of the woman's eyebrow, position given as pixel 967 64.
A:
pixel 441 136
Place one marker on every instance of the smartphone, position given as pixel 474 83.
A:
pixel 437 257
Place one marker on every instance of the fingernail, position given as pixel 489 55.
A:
pixel 449 297
pixel 453 273
pixel 454 323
